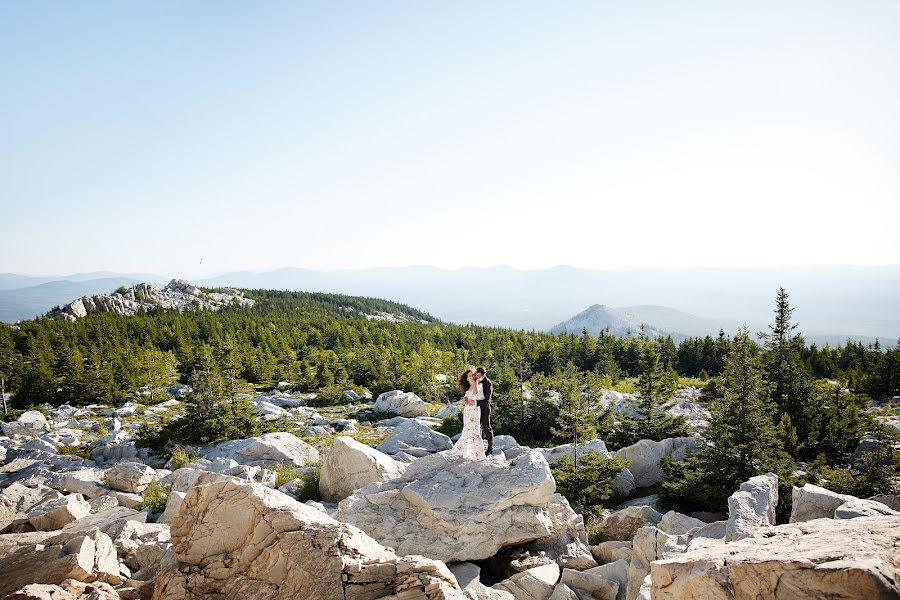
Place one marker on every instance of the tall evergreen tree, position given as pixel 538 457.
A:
pixel 577 419
pixel 792 386
pixel 741 435
pixel 656 386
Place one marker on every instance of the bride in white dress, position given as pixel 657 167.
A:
pixel 469 443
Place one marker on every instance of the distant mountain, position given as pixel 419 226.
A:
pixel 830 302
pixel 658 321
pixel 11 281
pixel 616 321
pixel 29 302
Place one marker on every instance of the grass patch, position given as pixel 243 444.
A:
pixel 182 456
pixel 285 473
pixel 83 451
pixel 155 498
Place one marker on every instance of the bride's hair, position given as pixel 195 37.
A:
pixel 464 380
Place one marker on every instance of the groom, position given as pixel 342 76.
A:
pixel 487 387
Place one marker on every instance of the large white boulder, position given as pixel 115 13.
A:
pixel 133 477
pixel 853 509
pixel 814 502
pixel 280 447
pixel 567 542
pixel 650 544
pixel 603 582
pixel 235 539
pixel 56 513
pixel 823 558
pixel 398 402
pixel 621 525
pixel 350 465
pixel 752 506
pixel 643 457
pixel 416 439
pixel 455 509
pixel 53 557
pixel 30 422
pixel 534 584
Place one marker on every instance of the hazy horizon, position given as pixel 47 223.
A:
pixel 211 137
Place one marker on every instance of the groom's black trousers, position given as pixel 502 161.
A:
pixel 486 430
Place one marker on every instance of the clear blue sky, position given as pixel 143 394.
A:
pixel 249 135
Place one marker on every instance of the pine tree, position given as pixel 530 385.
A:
pixel 656 386
pixel 792 387
pixel 743 437
pixel 577 414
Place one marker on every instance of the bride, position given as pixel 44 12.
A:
pixel 469 444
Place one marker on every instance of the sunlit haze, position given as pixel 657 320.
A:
pixel 204 137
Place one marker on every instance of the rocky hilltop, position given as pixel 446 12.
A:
pixel 179 294
pixel 86 513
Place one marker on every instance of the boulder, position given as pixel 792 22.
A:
pixel 675 523
pixel 650 544
pixel 621 525
pixel 350 465
pixel 398 402
pixel 133 477
pixel 567 542
pixel 416 439
pixel 52 558
pixel 447 411
pixel 551 454
pixel 855 508
pixel 70 589
pixel 563 592
pixel 30 423
pixel 235 539
pixel 534 584
pixel 56 513
pixel 816 559
pixel 280 447
pixel 455 509
pixel 814 502
pixel 607 552
pixel 643 457
pixel 752 506
pixel 892 501
pixel 603 582
pixel 86 481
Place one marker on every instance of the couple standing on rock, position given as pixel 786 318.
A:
pixel 476 415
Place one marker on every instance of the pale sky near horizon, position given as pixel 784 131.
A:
pixel 203 137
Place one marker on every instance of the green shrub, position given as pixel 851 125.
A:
pixel 311 485
pixel 155 498
pixel 84 451
pixel 587 487
pixel 182 456
pixel 451 425
pixel 285 473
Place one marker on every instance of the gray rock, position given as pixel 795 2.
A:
pixel 814 502
pixel 643 457
pixel 30 423
pixel 862 508
pixel 131 477
pixel 351 465
pixel 280 448
pixel 415 439
pixel 454 509
pixel 56 513
pixel 405 404
pixel 622 525
pixel 675 523
pixel 752 506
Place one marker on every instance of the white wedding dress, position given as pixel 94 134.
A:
pixel 469 443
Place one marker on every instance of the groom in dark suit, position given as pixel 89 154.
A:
pixel 488 388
